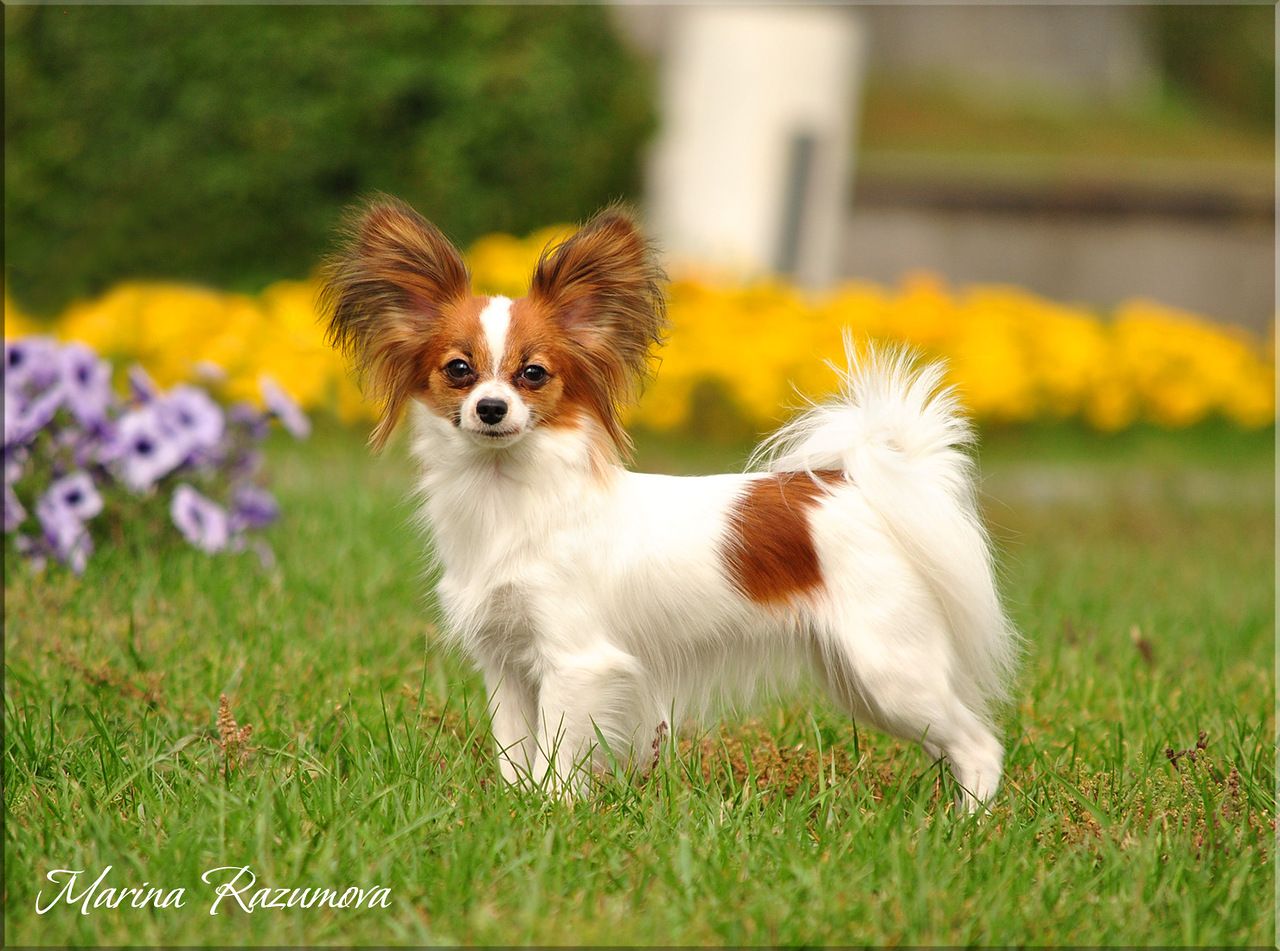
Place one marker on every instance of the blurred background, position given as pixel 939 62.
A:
pixel 1085 156
pixel 1072 203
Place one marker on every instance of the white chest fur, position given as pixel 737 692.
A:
pixel 544 555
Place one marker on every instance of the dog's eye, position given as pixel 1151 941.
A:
pixel 457 370
pixel 534 374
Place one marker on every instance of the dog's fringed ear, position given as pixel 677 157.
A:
pixel 605 287
pixel 383 293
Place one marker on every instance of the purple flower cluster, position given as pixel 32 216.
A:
pixel 70 441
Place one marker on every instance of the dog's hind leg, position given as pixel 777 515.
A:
pixel 893 671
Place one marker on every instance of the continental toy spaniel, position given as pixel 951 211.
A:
pixel 603 604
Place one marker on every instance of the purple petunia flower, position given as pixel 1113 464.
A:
pixel 64 530
pixel 252 507
pixel 64 423
pixel 12 424
pixel 86 384
pixel 282 406
pixel 244 464
pixel 15 461
pixel 254 422
pixel 14 513
pixel 202 522
pixel 143 449
pixel 77 556
pixel 23 419
pixel 193 419
pixel 94 446
pixel 30 363
pixel 76 493
pixel 141 385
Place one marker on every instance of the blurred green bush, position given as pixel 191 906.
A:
pixel 1222 56
pixel 219 144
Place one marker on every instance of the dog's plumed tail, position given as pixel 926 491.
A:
pixel 900 437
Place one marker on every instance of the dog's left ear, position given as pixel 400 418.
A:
pixel 385 292
pixel 604 287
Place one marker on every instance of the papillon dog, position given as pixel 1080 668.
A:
pixel 602 605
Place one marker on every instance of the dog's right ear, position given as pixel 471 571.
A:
pixel 383 294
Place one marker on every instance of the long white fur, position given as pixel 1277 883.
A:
pixel 599 604
pixel 898 434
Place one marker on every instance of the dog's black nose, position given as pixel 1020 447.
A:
pixel 490 410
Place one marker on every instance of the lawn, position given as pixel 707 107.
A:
pixel 1140 567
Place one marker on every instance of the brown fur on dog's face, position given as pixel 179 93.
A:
pixel 458 337
pixel 569 354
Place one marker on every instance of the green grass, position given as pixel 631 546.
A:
pixel 1140 567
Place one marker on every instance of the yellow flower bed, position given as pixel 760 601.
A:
pixel 1015 357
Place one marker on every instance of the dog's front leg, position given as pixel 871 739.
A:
pixel 513 712
pixel 584 698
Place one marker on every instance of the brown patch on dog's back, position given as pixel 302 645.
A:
pixel 769 553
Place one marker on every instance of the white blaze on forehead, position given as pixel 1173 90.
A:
pixel 494 320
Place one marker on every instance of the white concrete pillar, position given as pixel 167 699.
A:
pixel 753 160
